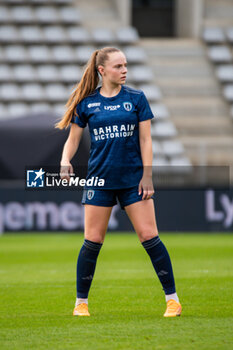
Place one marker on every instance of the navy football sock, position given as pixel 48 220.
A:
pixel 162 264
pixel 86 266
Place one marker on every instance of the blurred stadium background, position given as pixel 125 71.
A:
pixel 180 54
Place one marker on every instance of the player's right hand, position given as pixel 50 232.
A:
pixel 66 170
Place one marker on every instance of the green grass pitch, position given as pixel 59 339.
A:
pixel 126 301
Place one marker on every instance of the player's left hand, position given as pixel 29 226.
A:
pixel 146 186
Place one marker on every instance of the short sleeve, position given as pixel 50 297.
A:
pixel 79 119
pixel 143 109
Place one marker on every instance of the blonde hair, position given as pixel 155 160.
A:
pixel 87 84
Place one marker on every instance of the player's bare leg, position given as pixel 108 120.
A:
pixel 96 222
pixel 142 216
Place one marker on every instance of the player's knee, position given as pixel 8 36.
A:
pixel 95 237
pixel 146 235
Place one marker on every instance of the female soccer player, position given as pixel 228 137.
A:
pixel 119 120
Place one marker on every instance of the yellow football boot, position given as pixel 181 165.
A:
pixel 81 310
pixel 173 309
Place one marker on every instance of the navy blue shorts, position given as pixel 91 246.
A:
pixel 108 198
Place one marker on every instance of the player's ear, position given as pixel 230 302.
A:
pixel 100 69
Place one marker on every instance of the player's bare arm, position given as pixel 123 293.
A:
pixel 146 183
pixel 69 150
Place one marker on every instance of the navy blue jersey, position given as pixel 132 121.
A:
pixel 113 122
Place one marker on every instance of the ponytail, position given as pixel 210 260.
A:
pixel 86 86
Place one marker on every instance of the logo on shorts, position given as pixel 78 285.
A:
pixel 127 106
pixel 90 194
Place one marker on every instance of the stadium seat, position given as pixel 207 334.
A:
pixel 47 73
pixel 160 111
pixel 54 34
pixel 8 34
pixel 59 109
pixel 46 14
pixel 36 2
pixel 24 72
pixel 228 92
pixel 102 36
pixel 172 148
pixel 3 111
pixel 64 2
pixel 127 35
pixel 135 54
pixel 156 148
pixel 231 111
pixel 159 161
pixel 225 73
pixel 22 14
pixel 229 33
pixel 141 74
pixel 78 35
pixel 152 92
pixel 160 165
pixel 56 92
pixel 18 109
pixel 10 92
pixel 15 53
pixel 40 107
pixel 61 2
pixel 30 34
pixel 219 54
pixel 40 53
pixel 213 35
pixel 2 59
pixel 4 14
pixel 163 130
pixel 5 73
pixel 83 53
pixel 32 92
pixel 63 53
pixel 69 74
pixel 180 165
pixel 69 15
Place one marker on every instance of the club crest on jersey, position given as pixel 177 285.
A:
pixel 127 106
pixel 90 194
